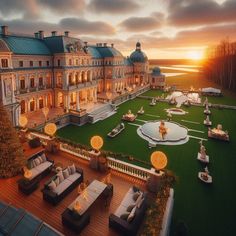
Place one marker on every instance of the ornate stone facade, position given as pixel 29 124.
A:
pixel 62 71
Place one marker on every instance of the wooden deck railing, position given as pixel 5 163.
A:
pixel 115 164
pixel 129 169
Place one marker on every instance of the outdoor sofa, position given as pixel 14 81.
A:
pixel 129 206
pixel 39 165
pixel 62 184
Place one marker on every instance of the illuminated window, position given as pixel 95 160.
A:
pixel 4 63
pixel 32 82
pixel 21 64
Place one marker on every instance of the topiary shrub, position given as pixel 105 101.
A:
pixel 35 142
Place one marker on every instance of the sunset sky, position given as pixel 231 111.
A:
pixel 166 28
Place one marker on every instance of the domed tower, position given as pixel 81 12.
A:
pixel 141 66
pixel 157 79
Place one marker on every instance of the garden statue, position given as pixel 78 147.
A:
pixel 202 156
pixel 162 129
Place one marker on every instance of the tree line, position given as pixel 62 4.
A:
pixel 220 64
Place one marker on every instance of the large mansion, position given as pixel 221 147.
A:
pixel 59 71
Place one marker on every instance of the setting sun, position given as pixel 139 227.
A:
pixel 195 55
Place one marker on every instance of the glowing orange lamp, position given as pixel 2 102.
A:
pixel 158 160
pixel 50 129
pixel 23 121
pixel 96 142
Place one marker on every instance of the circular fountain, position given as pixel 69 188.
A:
pixel 166 133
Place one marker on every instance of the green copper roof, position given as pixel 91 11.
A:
pixel 94 52
pixel 61 44
pixel 156 71
pixel 128 62
pixel 108 52
pixel 26 45
pixel 55 44
pixel 138 56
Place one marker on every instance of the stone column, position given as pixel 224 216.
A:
pixel 77 102
pixel 3 92
pixel 36 80
pixel 46 100
pixel 65 101
pixel 17 115
pixel 36 103
pixel 28 105
pixel 65 80
pixel 17 84
pixel 13 86
pixel 68 101
pixel 27 82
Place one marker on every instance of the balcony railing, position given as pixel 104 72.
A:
pixel 32 89
pixel 118 165
pixel 82 85
pixel 22 91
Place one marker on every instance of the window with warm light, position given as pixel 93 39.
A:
pixel 4 63
pixel 22 84
pixel 21 64
pixel 32 82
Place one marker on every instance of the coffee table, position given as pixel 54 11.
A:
pixel 88 196
pixel 78 219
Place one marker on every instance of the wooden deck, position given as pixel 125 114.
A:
pixel 35 204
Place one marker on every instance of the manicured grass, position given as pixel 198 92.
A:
pixel 207 210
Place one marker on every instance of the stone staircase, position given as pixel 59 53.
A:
pixel 102 113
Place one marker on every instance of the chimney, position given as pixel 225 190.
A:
pixel 112 45
pixel 67 33
pixel 36 35
pixel 4 29
pixel 41 34
pixel 105 44
pixel 54 33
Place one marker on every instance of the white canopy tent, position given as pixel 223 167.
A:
pixel 211 90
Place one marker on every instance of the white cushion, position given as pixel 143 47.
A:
pixel 74 177
pixel 60 176
pixel 66 173
pixel 40 159
pixel 43 166
pixel 57 181
pixel 120 210
pixel 137 203
pixel 131 215
pixel 62 186
pixel 35 172
pixel 128 199
pixel 52 186
pixel 34 163
pixel 43 157
pixel 72 169
pixel 37 161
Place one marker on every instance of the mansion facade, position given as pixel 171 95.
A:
pixel 59 71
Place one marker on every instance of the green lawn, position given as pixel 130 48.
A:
pixel 207 210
